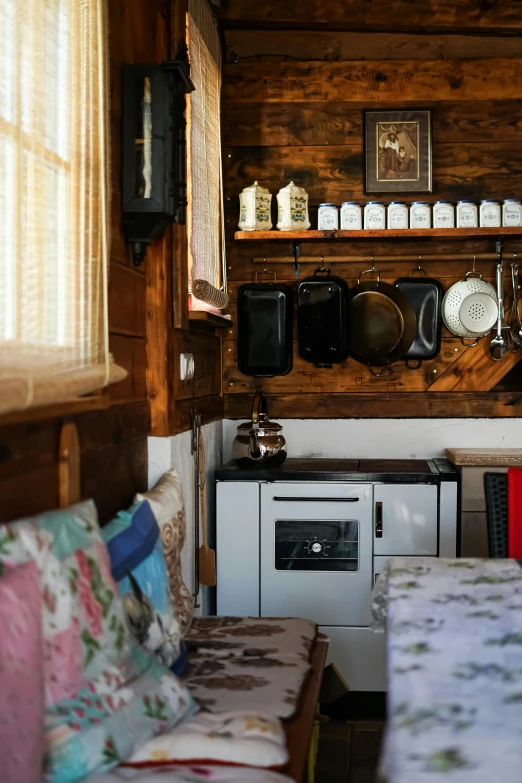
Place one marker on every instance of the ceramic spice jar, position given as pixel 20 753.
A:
pixel 397 214
pixel 254 208
pixel 490 213
pixel 420 215
pixel 328 217
pixel 351 216
pixel 374 215
pixel 511 212
pixel 467 214
pixel 292 208
pixel 443 215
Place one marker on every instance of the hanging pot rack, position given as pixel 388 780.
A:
pixel 388 259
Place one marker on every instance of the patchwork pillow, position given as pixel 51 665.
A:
pixel 105 695
pixel 166 500
pixel 138 565
pixel 21 676
pixel 192 774
pixel 244 738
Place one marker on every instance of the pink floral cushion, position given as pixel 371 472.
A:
pixel 21 676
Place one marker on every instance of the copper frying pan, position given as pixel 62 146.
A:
pixel 382 322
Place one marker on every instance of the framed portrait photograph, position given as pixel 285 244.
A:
pixel 397 151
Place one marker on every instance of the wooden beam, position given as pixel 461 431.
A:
pixel 393 81
pixel 440 405
pixel 427 16
pixel 277 45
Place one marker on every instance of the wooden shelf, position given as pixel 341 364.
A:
pixel 211 320
pixel 383 234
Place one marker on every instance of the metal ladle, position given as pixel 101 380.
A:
pixel 498 345
pixel 516 323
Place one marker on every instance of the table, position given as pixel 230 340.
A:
pixel 454 647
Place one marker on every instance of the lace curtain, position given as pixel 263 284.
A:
pixel 54 186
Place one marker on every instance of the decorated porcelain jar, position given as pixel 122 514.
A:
pixel 397 214
pixel 374 215
pixel 351 216
pixel 292 208
pixel 490 213
pixel 467 214
pixel 328 217
pixel 443 215
pixel 511 212
pixel 420 215
pixel 254 208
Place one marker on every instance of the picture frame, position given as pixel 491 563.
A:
pixel 398 151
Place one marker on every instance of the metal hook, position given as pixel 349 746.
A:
pixel 264 268
pixel 322 264
pixel 373 264
pixel 419 264
pixel 474 260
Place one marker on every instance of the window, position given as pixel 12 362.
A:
pixel 54 194
pixel 205 213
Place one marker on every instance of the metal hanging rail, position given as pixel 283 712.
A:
pixel 363 259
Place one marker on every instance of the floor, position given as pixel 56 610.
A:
pixel 349 751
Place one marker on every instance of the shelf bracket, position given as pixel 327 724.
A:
pixel 297 255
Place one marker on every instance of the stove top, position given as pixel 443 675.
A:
pixel 390 470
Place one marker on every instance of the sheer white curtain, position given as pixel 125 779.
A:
pixel 54 191
pixel 205 221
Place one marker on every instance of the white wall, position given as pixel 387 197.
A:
pixel 388 438
pixel 166 453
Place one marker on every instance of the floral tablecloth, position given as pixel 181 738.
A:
pixel 454 639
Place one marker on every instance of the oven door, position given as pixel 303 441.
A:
pixel 316 552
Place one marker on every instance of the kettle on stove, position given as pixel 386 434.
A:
pixel 260 441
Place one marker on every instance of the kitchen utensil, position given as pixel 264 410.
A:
pixel 259 441
pixel 515 323
pixel 382 322
pixel 265 319
pixel 477 312
pixel 207 556
pixel 196 431
pixel 498 345
pixel 425 295
pixel 322 316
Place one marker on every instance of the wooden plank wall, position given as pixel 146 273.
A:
pixel 298 79
pixel 113 442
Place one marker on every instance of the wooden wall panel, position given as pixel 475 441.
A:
pixel 443 16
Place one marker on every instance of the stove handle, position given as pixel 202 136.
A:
pixel 316 500
pixel 378 520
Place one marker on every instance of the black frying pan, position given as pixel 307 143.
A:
pixel 425 295
pixel 383 322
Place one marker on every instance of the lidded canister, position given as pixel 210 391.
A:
pixel 397 214
pixel 351 216
pixel 467 214
pixel 511 212
pixel 490 213
pixel 420 215
pixel 443 214
pixel 374 215
pixel 328 217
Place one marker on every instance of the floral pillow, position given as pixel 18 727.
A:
pixel 138 565
pixel 192 774
pixel 166 501
pixel 104 694
pixel 21 676
pixel 246 738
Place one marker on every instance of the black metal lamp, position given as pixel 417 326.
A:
pixel 154 190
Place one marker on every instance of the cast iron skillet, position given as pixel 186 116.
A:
pixel 383 322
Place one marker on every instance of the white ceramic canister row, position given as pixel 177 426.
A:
pixel 511 212
pixel 467 214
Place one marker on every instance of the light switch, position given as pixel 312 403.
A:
pixel 186 366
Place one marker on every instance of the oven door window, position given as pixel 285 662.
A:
pixel 310 545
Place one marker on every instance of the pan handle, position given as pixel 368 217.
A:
pixel 366 271
pixel 470 345
pixel 411 366
pixel 322 269
pixel 382 374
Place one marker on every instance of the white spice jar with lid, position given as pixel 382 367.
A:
pixel 397 214
pixel 420 215
pixel 328 217
pixel 254 208
pixel 443 215
pixel 374 215
pixel 490 213
pixel 351 216
pixel 292 208
pixel 467 214
pixel 511 212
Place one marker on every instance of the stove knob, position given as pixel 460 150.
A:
pixel 317 547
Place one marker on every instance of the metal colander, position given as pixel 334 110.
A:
pixel 470 307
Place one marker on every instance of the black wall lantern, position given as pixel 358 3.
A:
pixel 154 151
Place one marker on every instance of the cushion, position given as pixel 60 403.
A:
pixel 235 662
pixel 166 500
pixel 244 738
pixel 192 774
pixel 138 565
pixel 105 695
pixel 21 675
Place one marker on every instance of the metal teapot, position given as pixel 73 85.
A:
pixel 259 442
